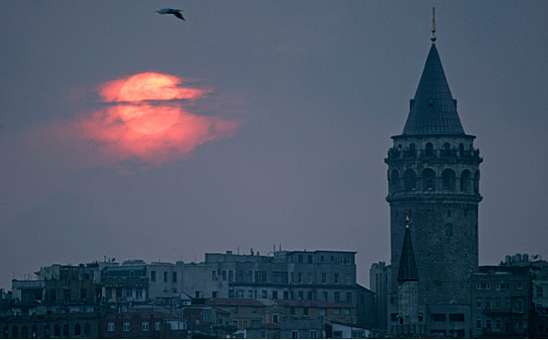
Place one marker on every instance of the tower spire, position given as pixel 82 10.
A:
pixel 433 38
pixel 407 270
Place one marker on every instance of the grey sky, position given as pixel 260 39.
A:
pixel 318 86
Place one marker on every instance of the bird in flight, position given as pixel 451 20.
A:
pixel 175 12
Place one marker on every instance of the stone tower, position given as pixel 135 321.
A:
pixel 433 176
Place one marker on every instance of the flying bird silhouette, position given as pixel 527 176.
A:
pixel 175 12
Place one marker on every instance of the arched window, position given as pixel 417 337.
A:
pixel 476 182
pixel 77 329
pixel 429 149
pixel 410 180
pixel 465 181
pixel 65 330
pixel 446 149
pixel 14 332
pixel 87 329
pixel 428 180
pixel 448 179
pixel 24 332
pixel 395 181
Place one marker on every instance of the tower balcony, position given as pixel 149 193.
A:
pixel 450 156
pixel 434 196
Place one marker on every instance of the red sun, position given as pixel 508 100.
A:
pixel 146 119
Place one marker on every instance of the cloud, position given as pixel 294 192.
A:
pixel 144 118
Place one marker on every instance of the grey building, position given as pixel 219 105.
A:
pixel 379 283
pixel 501 298
pixel 326 276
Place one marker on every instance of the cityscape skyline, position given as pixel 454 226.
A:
pixel 48 197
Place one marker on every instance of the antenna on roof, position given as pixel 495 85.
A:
pixel 433 38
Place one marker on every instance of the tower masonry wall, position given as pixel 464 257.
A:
pixel 438 187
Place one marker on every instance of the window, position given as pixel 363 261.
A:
pixel 410 180
pixel 294 334
pixel 305 310
pixel 300 277
pixel 145 326
pixel 476 182
pixel 264 294
pixel 157 325
pixel 274 295
pixel 214 275
pixel 174 277
pixel 126 326
pixel 87 329
pixel 457 317
pixel 448 180
pixel 310 258
pixel 429 150
pixel 349 297
pixel 300 257
pixel 478 323
pixel 275 318
pixel 165 276
pixel 325 296
pixel 438 317
pixel 539 291
pixel 231 276
pixel 313 335
pixel 77 329
pixel 286 295
pixel 337 296
pixel 153 276
pixel 429 180
pixel 301 295
pixel 465 181
pixel 336 278
pixel 395 184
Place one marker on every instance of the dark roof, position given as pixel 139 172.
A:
pixel 408 267
pixel 235 302
pixel 433 111
pixel 312 304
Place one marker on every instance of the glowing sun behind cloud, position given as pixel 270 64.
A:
pixel 146 119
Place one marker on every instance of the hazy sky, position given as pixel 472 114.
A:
pixel 316 88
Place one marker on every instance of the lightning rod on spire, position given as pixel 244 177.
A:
pixel 433 38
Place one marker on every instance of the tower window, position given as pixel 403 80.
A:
pixel 429 180
pixel 395 181
pixel 476 182
pixel 465 181
pixel 429 149
pixel 410 180
pixel 448 180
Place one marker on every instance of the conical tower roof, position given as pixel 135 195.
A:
pixel 407 270
pixel 433 111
